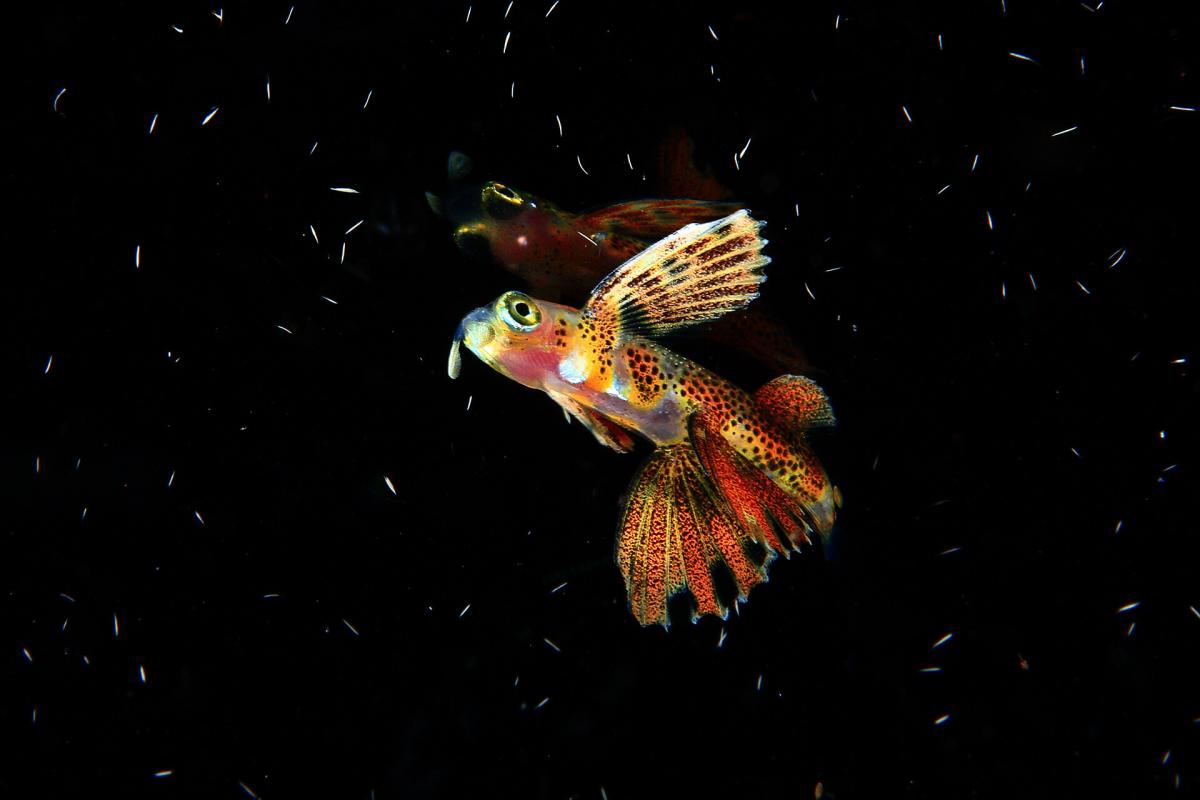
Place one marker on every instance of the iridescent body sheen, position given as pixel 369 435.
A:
pixel 730 470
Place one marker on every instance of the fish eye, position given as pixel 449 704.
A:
pixel 501 202
pixel 519 311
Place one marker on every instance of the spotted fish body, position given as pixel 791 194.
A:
pixel 732 481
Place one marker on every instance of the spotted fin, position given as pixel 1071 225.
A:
pixel 650 220
pixel 675 531
pixel 795 403
pixel 695 275
pixel 754 497
pixel 607 432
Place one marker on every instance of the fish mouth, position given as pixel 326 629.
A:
pixel 475 331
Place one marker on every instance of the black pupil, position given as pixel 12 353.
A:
pixel 507 192
pixel 522 310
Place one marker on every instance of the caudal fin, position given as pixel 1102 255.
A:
pixel 676 529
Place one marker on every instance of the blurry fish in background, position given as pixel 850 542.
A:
pixel 561 255
pixel 732 481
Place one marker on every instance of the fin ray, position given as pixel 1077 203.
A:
pixel 697 274
pixel 675 528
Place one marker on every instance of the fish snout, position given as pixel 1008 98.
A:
pixel 476 332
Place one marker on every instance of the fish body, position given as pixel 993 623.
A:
pixel 730 470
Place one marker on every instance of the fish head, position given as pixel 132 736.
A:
pixel 516 335
pixel 502 222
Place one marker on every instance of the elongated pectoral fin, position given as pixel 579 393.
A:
pixel 653 219
pixel 675 531
pixel 756 500
pixel 607 432
pixel 695 275
pixel 795 403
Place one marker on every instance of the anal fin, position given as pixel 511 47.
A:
pixel 675 530
pixel 754 497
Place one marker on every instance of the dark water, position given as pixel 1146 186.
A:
pixel 205 573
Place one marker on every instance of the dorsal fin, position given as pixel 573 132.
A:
pixel 795 403
pixel 695 275
pixel 650 220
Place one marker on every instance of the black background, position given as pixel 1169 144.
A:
pixel 300 625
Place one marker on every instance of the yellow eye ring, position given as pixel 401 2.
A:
pixel 519 311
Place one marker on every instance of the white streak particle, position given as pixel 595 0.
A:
pixel 1181 108
pixel 543 703
pixel 329 300
pixel 975 162
pixel 629 161
pixel 470 398
pixel 507 36
pixel 368 100
pixel 907 115
pixel 285 330
pixel 268 88
pixel 289 15
pixel 1032 282
pixel 579 161
pixel 1120 255
pixel 558 119
pixel 343 258
pixel 468 19
pixel 942 641
pixel 166 773
pixel 211 114
pixel 1081 286
pixel 353 630
pixel 1065 130
pixel 1022 57
pixel 49 362
pixel 744 149
pixel 552 7
pixel 1128 607
pixel 342 189
pixel 463 613
pixel 714 34
pixel 57 97
pixel 116 627
pixel 510 5
pixel 991 227
pixel 352 227
pixel 557 588
pixel 944 189
pixel 316 238
pixel 137 257
pixel 390 485
pixel 153 122
pixel 142 674
pixel 721 640
pixel 942 720
pixel 552 645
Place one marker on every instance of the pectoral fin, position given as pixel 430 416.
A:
pixel 607 432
